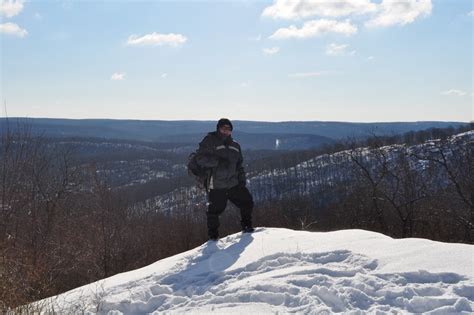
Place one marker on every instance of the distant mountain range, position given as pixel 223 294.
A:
pixel 253 134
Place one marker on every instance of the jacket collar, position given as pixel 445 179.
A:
pixel 228 141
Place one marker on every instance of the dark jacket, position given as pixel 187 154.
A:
pixel 223 158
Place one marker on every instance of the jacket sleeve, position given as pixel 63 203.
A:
pixel 206 156
pixel 240 169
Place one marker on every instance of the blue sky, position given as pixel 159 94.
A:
pixel 354 60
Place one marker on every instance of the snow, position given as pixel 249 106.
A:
pixel 278 270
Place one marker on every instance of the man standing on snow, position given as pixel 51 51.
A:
pixel 223 156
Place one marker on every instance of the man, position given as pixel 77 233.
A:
pixel 219 153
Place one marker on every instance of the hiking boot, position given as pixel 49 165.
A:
pixel 213 235
pixel 248 229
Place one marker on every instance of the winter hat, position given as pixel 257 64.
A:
pixel 223 122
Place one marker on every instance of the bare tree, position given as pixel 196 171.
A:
pixel 454 156
pixel 373 169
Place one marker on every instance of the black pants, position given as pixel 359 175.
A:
pixel 239 196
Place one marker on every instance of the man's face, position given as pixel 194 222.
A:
pixel 225 130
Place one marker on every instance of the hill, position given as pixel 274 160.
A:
pixel 278 270
pixel 190 130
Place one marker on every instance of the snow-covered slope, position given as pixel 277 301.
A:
pixel 325 170
pixel 283 271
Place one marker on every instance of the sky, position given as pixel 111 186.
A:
pixel 281 60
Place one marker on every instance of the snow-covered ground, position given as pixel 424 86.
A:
pixel 284 271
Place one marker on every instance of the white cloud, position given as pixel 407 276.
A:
pixel 471 13
pixel 13 29
pixel 38 16
pixel 60 35
pixel 67 4
pixel 338 50
pixel 256 38
pixel 11 8
pixel 370 58
pixel 117 76
pixel 157 39
pixel 454 92
pixel 298 9
pixel 307 74
pixel 271 51
pixel 164 75
pixel 314 28
pixel 400 12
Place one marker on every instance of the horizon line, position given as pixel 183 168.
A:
pixel 243 120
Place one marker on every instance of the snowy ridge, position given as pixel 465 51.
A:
pixel 279 270
pixel 307 177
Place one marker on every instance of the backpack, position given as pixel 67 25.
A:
pixel 199 173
